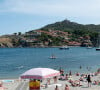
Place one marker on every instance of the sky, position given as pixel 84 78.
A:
pixel 26 15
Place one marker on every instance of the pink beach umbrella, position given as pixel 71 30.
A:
pixel 40 73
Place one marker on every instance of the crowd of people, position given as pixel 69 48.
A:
pixel 77 83
pixel 69 78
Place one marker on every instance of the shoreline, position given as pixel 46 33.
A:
pixel 73 73
pixel 41 47
pixel 83 70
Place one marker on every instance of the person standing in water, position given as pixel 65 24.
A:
pixel 80 67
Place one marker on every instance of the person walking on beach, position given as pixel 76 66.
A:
pixel 67 87
pixel 55 79
pixel 56 88
pixel 89 80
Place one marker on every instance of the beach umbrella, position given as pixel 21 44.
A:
pixel 40 73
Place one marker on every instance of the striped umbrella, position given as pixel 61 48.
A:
pixel 40 73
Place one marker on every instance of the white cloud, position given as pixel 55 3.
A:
pixel 86 8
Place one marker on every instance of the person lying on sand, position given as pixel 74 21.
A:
pixel 75 83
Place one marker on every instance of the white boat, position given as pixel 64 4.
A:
pixel 98 49
pixel 89 47
pixel 64 47
pixel 53 57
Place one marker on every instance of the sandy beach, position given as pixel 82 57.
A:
pixel 18 84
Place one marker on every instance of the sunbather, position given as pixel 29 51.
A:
pixel 67 87
pixel 76 83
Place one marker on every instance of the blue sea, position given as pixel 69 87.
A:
pixel 15 61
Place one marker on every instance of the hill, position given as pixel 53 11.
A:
pixel 56 34
pixel 67 25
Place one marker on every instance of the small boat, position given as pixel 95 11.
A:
pixel 64 47
pixel 89 47
pixel 98 42
pixel 53 57
pixel 98 49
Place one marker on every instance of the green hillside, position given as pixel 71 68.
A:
pixel 67 25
